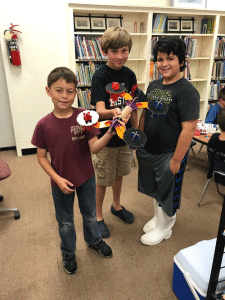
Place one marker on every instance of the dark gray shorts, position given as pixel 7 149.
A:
pixel 156 180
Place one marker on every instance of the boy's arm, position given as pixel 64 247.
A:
pixel 97 145
pixel 106 113
pixel 183 144
pixel 142 120
pixel 47 167
pixel 211 116
pixel 134 118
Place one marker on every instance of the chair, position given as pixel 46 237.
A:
pixel 193 143
pixel 216 173
pixel 5 172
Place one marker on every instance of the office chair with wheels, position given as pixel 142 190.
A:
pixel 5 172
pixel 216 173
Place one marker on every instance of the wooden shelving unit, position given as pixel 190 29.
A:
pixel 140 56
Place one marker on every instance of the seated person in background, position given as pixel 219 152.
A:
pixel 214 111
pixel 216 147
pixel 4 170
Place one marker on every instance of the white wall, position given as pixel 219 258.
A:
pixel 43 46
pixel 6 126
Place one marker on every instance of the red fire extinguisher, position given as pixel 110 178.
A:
pixel 12 45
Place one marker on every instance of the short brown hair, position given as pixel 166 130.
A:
pixel 61 73
pixel 221 94
pixel 115 38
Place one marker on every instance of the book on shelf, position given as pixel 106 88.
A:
pixel 208 25
pixel 84 98
pixel 159 23
pixel 219 47
pixel 85 72
pixel 88 49
pixel 153 42
pixel 187 72
pixel 191 44
pixel 214 89
pixel 153 73
pixel 218 70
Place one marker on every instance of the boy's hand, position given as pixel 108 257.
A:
pixel 113 131
pixel 65 185
pixel 116 112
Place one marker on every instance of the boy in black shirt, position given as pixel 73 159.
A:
pixel 113 162
pixel 169 124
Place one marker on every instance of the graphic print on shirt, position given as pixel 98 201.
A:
pixel 77 130
pixel 116 98
pixel 158 102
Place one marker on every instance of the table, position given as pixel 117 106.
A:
pixel 203 138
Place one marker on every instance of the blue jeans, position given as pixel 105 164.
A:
pixel 65 217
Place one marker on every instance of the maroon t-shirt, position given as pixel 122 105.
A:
pixel 67 144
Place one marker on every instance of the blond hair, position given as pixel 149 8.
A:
pixel 115 38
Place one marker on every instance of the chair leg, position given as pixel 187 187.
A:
pixel 200 148
pixel 217 187
pixel 204 190
pixel 194 154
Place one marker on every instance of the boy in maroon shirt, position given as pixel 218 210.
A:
pixel 71 165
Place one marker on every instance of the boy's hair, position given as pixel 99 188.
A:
pixel 168 44
pixel 221 94
pixel 61 73
pixel 115 38
pixel 221 120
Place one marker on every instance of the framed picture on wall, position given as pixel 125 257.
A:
pixel 113 22
pixel 187 25
pixel 173 25
pixel 81 23
pixel 189 3
pixel 98 23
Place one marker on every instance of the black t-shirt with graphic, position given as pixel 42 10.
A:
pixel 179 103
pixel 101 78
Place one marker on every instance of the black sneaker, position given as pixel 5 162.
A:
pixel 102 248
pixel 69 263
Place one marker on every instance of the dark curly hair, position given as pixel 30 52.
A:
pixel 168 44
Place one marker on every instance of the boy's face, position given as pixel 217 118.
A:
pixel 62 94
pixel 222 103
pixel 117 58
pixel 169 67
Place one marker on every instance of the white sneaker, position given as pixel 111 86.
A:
pixel 153 222
pixel 163 231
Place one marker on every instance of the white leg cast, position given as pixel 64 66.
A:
pixel 163 231
pixel 153 222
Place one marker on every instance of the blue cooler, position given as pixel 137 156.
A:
pixel 192 270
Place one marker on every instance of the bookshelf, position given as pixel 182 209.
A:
pixel 201 63
pixel 218 69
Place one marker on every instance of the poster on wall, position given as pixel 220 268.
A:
pixel 189 3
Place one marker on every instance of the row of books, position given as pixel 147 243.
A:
pixel 88 49
pixel 215 87
pixel 218 71
pixel 208 25
pixel 219 48
pixel 85 72
pixel 153 74
pixel 84 98
pixel 153 42
pixel 191 44
pixel 159 23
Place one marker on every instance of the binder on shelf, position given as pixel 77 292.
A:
pixel 159 23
